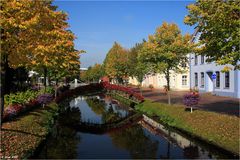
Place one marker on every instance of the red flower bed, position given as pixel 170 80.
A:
pixel 127 90
pixel 16 109
pixel 96 87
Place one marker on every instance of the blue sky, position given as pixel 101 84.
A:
pixel 97 24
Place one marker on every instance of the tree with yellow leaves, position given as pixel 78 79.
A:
pixel 93 74
pixel 34 35
pixel 115 63
pixel 166 50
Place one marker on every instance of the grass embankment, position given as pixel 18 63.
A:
pixel 21 136
pixel 218 129
pixel 122 99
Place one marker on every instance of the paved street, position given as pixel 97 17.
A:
pixel 207 101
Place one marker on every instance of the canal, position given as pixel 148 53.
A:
pixel 140 140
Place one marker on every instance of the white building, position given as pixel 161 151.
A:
pixel 208 77
pixel 178 81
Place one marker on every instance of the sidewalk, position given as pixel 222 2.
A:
pixel 226 105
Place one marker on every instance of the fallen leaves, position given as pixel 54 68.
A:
pixel 21 136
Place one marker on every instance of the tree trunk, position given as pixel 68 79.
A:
pixel 49 81
pixel 140 88
pixel 169 98
pixel 8 78
pixel 45 78
pixel 4 65
pixel 167 76
pixel 19 82
pixel 65 81
pixel 3 72
pixel 56 85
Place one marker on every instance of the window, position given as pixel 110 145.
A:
pixel 217 79
pixel 196 59
pixel 227 84
pixel 202 79
pixel 196 79
pixel 184 65
pixel 184 80
pixel 184 62
pixel 202 59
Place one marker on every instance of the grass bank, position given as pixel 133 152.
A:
pixel 217 129
pixel 21 136
pixel 123 99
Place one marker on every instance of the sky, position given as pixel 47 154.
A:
pixel 98 24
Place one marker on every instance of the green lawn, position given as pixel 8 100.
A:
pixel 219 129
pixel 21 136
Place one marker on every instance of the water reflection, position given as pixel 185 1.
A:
pixel 99 109
pixel 137 141
pixel 63 142
pixel 110 116
pixel 96 106
pixel 177 146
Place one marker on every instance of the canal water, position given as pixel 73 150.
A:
pixel 139 140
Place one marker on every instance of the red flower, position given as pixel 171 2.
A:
pixel 127 90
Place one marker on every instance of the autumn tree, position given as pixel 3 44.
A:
pixel 97 72
pixel 70 68
pixel 136 69
pixel 84 76
pixel 132 59
pixel 115 63
pixel 218 22
pixel 54 48
pixel 16 20
pixel 34 35
pixel 93 74
pixel 165 50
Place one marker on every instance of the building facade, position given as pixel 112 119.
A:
pixel 209 77
pixel 178 81
pixel 133 81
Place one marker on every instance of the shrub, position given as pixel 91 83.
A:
pixel 12 111
pixel 150 86
pixel 25 97
pixel 15 109
pixel 127 90
pixel 20 97
pixel 23 101
pixel 9 112
pixel 49 90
